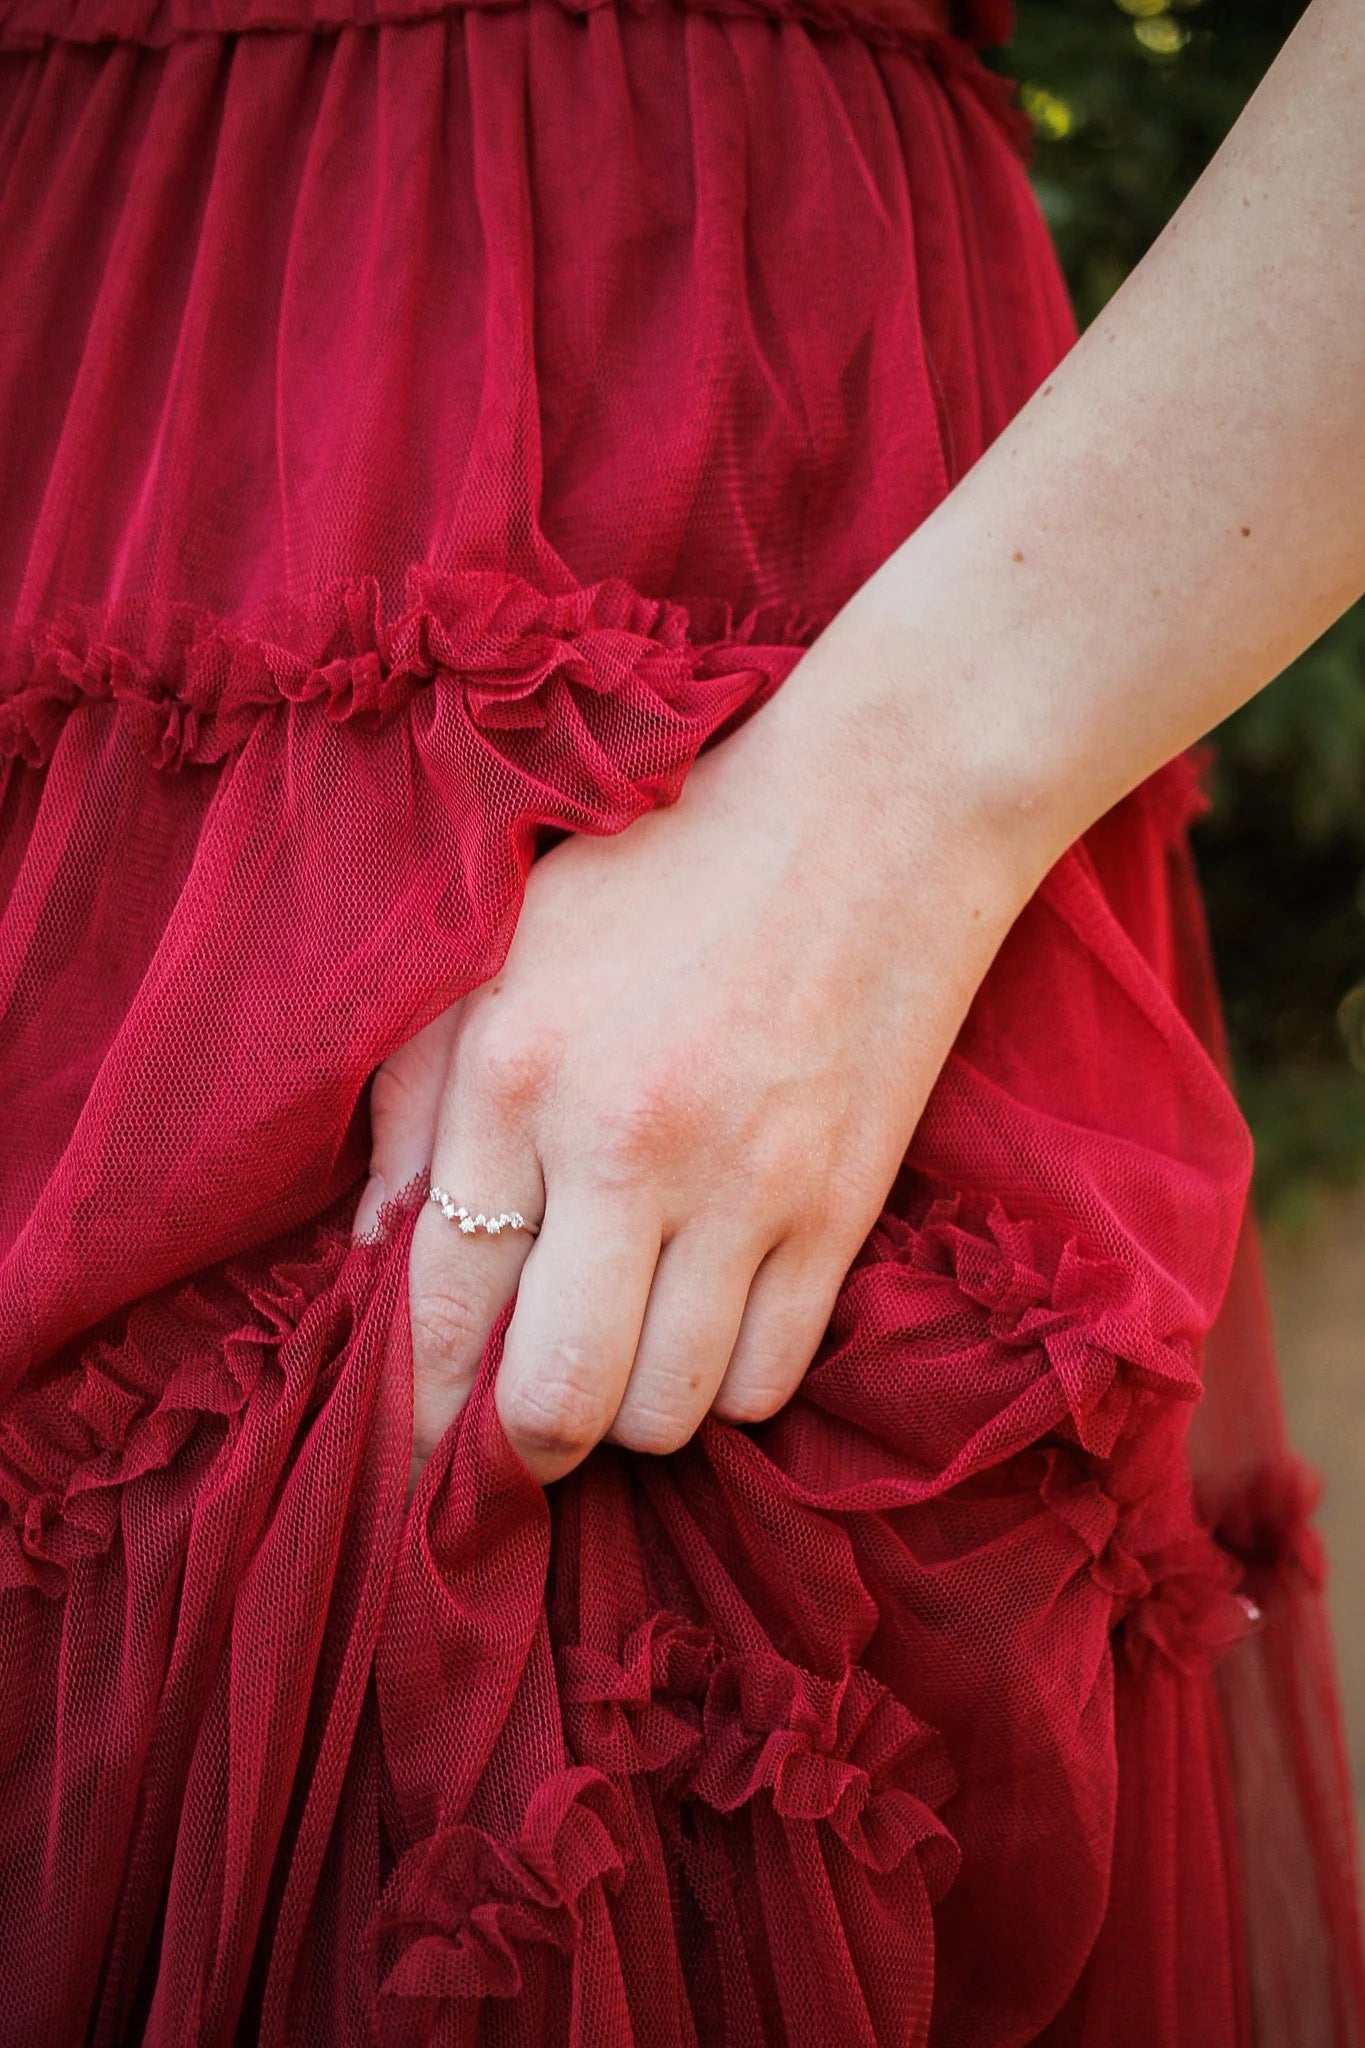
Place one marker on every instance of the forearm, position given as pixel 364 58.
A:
pixel 1179 510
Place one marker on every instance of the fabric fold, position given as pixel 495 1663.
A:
pixel 426 430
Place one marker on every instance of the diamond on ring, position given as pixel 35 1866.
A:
pixel 507 1219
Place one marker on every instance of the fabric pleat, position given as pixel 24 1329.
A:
pixel 423 432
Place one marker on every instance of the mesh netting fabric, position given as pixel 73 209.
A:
pixel 421 437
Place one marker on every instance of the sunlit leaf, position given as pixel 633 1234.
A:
pixel 1162 33
pixel 1050 114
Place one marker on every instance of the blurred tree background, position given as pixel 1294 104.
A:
pixel 1129 100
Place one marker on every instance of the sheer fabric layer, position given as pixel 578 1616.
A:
pixel 420 441
pixel 936 24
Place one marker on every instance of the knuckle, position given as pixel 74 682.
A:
pixel 403 1084
pixel 633 1135
pixel 445 1324
pixel 393 1092
pixel 782 1161
pixel 557 1414
pixel 509 1065
pixel 656 1431
pixel 826 1222
pixel 757 1395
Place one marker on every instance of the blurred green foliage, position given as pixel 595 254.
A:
pixel 1130 99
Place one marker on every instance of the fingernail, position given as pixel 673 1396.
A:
pixel 371 1202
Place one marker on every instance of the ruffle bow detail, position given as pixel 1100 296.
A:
pixel 462 1908
pixel 1047 1292
pixel 1267 1525
pixel 966 1336
pixel 725 1730
pixel 844 1752
pixel 643 1713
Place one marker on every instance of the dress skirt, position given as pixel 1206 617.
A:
pixel 423 430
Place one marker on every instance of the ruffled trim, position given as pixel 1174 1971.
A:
pixel 1175 1590
pixel 462 1907
pixel 844 1752
pixel 641 1714
pixel 1184 1589
pixel 1060 1375
pixel 1048 1292
pixel 1267 1526
pixel 1062 1342
pixel 192 686
pixel 1188 1606
pixel 30 23
pixel 463 1910
pixel 74 1436
pixel 945 33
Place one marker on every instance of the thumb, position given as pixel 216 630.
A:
pixel 405 1098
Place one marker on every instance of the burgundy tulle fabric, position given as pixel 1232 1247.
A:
pixel 422 431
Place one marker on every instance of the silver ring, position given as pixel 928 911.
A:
pixel 455 1212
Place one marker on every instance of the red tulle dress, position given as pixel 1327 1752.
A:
pixel 424 427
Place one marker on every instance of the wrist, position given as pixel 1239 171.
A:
pixel 931 733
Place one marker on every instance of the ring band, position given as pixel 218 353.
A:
pixel 455 1212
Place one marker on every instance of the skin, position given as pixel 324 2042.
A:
pixel 707 1050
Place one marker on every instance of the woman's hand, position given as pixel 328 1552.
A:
pixel 713 1035
pixel 698 1069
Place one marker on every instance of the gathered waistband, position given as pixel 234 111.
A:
pixel 28 24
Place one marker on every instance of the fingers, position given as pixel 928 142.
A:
pixel 405 1097
pixel 459 1281
pixel 693 1317
pixel 570 1344
pixel 790 1302
pixel 611 1336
